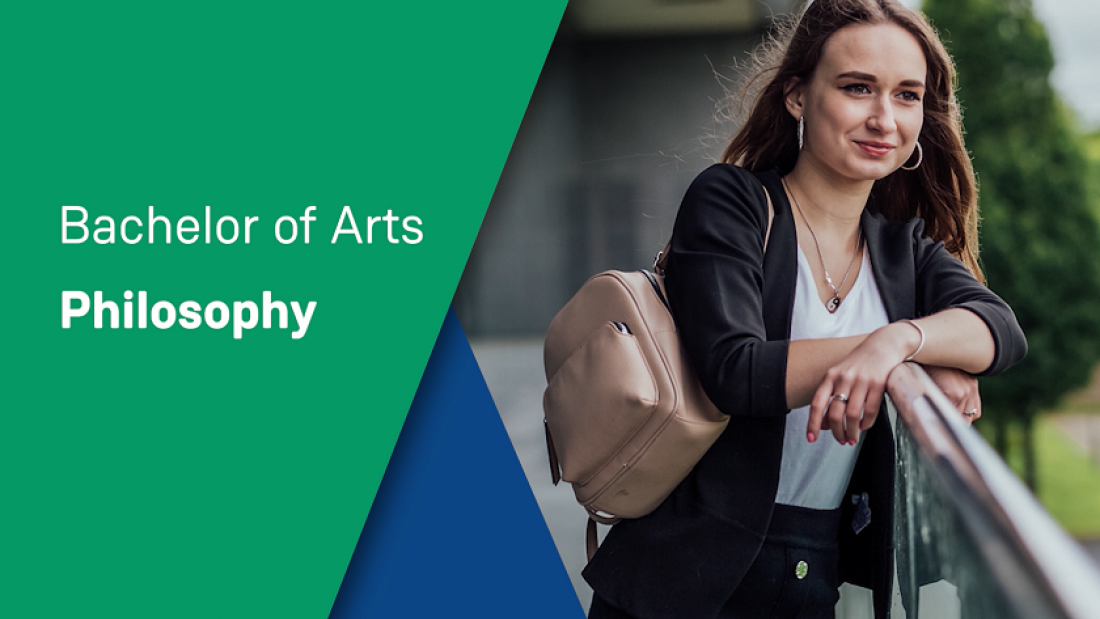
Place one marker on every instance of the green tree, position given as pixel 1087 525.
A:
pixel 1040 246
pixel 1092 153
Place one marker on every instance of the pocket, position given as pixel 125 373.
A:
pixel 598 399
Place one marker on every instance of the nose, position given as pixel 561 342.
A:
pixel 881 119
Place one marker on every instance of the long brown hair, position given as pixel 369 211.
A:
pixel 942 190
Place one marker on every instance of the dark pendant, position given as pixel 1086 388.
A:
pixel 833 304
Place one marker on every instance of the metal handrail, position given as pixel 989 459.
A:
pixel 1037 564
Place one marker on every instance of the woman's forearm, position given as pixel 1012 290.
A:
pixel 807 362
pixel 954 338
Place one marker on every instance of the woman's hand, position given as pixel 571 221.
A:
pixel 959 387
pixel 848 398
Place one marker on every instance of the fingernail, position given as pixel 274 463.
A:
pixel 810 436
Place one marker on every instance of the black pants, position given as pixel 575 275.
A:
pixel 800 541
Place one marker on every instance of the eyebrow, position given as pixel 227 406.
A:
pixel 867 77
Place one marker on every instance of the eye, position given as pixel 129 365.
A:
pixel 910 95
pixel 857 88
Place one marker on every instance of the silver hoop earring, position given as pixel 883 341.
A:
pixel 920 158
pixel 801 130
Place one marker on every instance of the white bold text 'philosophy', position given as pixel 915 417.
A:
pixel 241 315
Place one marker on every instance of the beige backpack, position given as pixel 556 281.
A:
pixel 626 418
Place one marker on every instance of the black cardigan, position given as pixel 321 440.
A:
pixel 733 309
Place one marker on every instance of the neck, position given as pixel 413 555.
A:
pixel 834 204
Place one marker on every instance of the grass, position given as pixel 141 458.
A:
pixel 1069 481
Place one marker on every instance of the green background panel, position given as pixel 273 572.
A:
pixel 185 473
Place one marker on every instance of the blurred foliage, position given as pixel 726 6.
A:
pixel 1040 240
pixel 1092 152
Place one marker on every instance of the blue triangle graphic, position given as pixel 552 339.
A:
pixel 455 529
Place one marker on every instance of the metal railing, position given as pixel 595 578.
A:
pixel 971 540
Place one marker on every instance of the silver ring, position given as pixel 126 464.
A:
pixel 971 412
pixel 839 396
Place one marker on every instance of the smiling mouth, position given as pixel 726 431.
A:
pixel 875 149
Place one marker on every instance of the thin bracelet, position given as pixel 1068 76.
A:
pixel 919 346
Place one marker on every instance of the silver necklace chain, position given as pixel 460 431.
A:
pixel 834 302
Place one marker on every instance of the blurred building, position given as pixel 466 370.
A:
pixel 625 114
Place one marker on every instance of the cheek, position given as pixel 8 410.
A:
pixel 833 123
pixel 838 118
pixel 910 122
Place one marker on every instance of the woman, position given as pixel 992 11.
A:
pixel 871 260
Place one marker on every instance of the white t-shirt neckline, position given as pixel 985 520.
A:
pixel 815 475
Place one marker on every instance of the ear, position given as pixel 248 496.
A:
pixel 792 97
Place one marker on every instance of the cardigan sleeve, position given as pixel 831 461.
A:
pixel 944 283
pixel 714 279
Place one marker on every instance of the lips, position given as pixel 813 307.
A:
pixel 875 149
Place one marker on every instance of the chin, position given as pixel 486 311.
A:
pixel 868 171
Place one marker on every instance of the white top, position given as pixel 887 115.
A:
pixel 815 475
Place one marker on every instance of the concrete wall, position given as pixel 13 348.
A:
pixel 616 130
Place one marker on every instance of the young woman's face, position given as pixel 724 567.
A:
pixel 863 106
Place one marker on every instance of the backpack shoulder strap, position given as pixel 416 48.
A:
pixel 661 259
pixel 771 217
